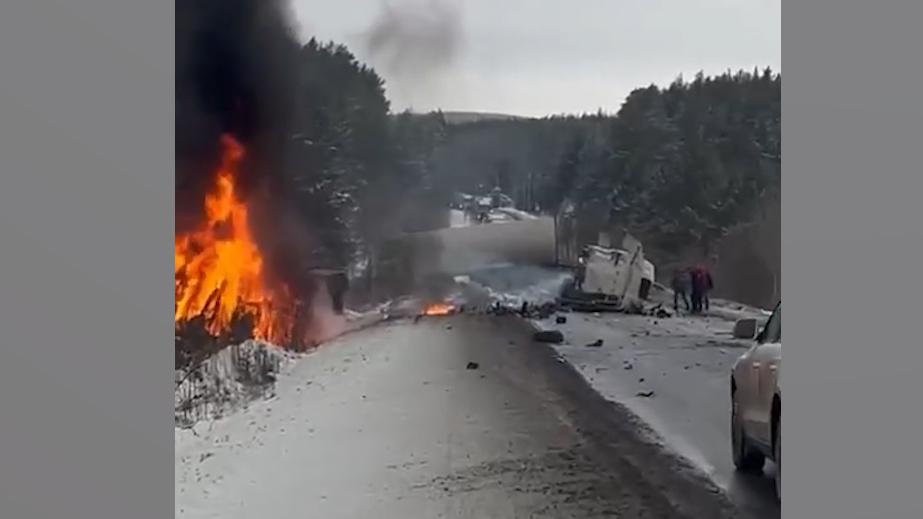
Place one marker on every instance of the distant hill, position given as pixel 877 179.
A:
pixel 473 117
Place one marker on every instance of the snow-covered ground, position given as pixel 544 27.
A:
pixel 673 373
pixel 389 422
pixel 239 374
pixel 227 381
pixel 515 214
pixel 458 218
pixel 684 360
pixel 213 453
pixel 681 360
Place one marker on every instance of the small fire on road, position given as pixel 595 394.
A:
pixel 439 309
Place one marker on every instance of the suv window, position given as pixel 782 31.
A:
pixel 772 333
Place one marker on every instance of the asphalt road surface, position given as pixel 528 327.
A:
pixel 681 364
pixel 686 363
pixel 395 421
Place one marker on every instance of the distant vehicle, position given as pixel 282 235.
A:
pixel 461 201
pixel 481 209
pixel 756 398
pixel 499 199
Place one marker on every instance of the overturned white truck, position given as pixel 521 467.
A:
pixel 611 278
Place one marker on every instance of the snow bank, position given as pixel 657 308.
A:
pixel 515 214
pixel 227 381
pixel 239 374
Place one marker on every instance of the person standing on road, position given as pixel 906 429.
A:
pixel 681 285
pixel 698 286
pixel 337 284
pixel 581 269
pixel 707 286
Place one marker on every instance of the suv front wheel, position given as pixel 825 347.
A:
pixel 777 456
pixel 746 459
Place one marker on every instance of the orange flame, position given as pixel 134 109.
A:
pixel 219 271
pixel 438 309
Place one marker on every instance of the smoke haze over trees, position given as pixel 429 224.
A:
pixel 322 148
pixel 684 168
pixel 332 170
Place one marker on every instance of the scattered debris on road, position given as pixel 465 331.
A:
pixel 525 310
pixel 595 344
pixel 560 319
pixel 549 336
pixel 645 394
pixel 473 366
pixel 635 308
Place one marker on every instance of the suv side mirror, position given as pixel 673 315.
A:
pixel 745 329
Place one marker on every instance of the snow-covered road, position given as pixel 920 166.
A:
pixel 394 422
pixel 686 362
pixel 385 423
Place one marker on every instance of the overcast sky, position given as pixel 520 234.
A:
pixel 540 57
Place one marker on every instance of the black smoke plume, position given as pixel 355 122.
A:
pixel 236 72
pixel 415 44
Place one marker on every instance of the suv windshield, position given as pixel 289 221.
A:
pixel 772 333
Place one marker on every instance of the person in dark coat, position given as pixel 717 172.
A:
pixel 581 269
pixel 707 285
pixel 698 287
pixel 337 285
pixel 681 285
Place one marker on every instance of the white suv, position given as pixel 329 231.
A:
pixel 756 398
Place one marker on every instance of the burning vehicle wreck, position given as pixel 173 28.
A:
pixel 223 280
